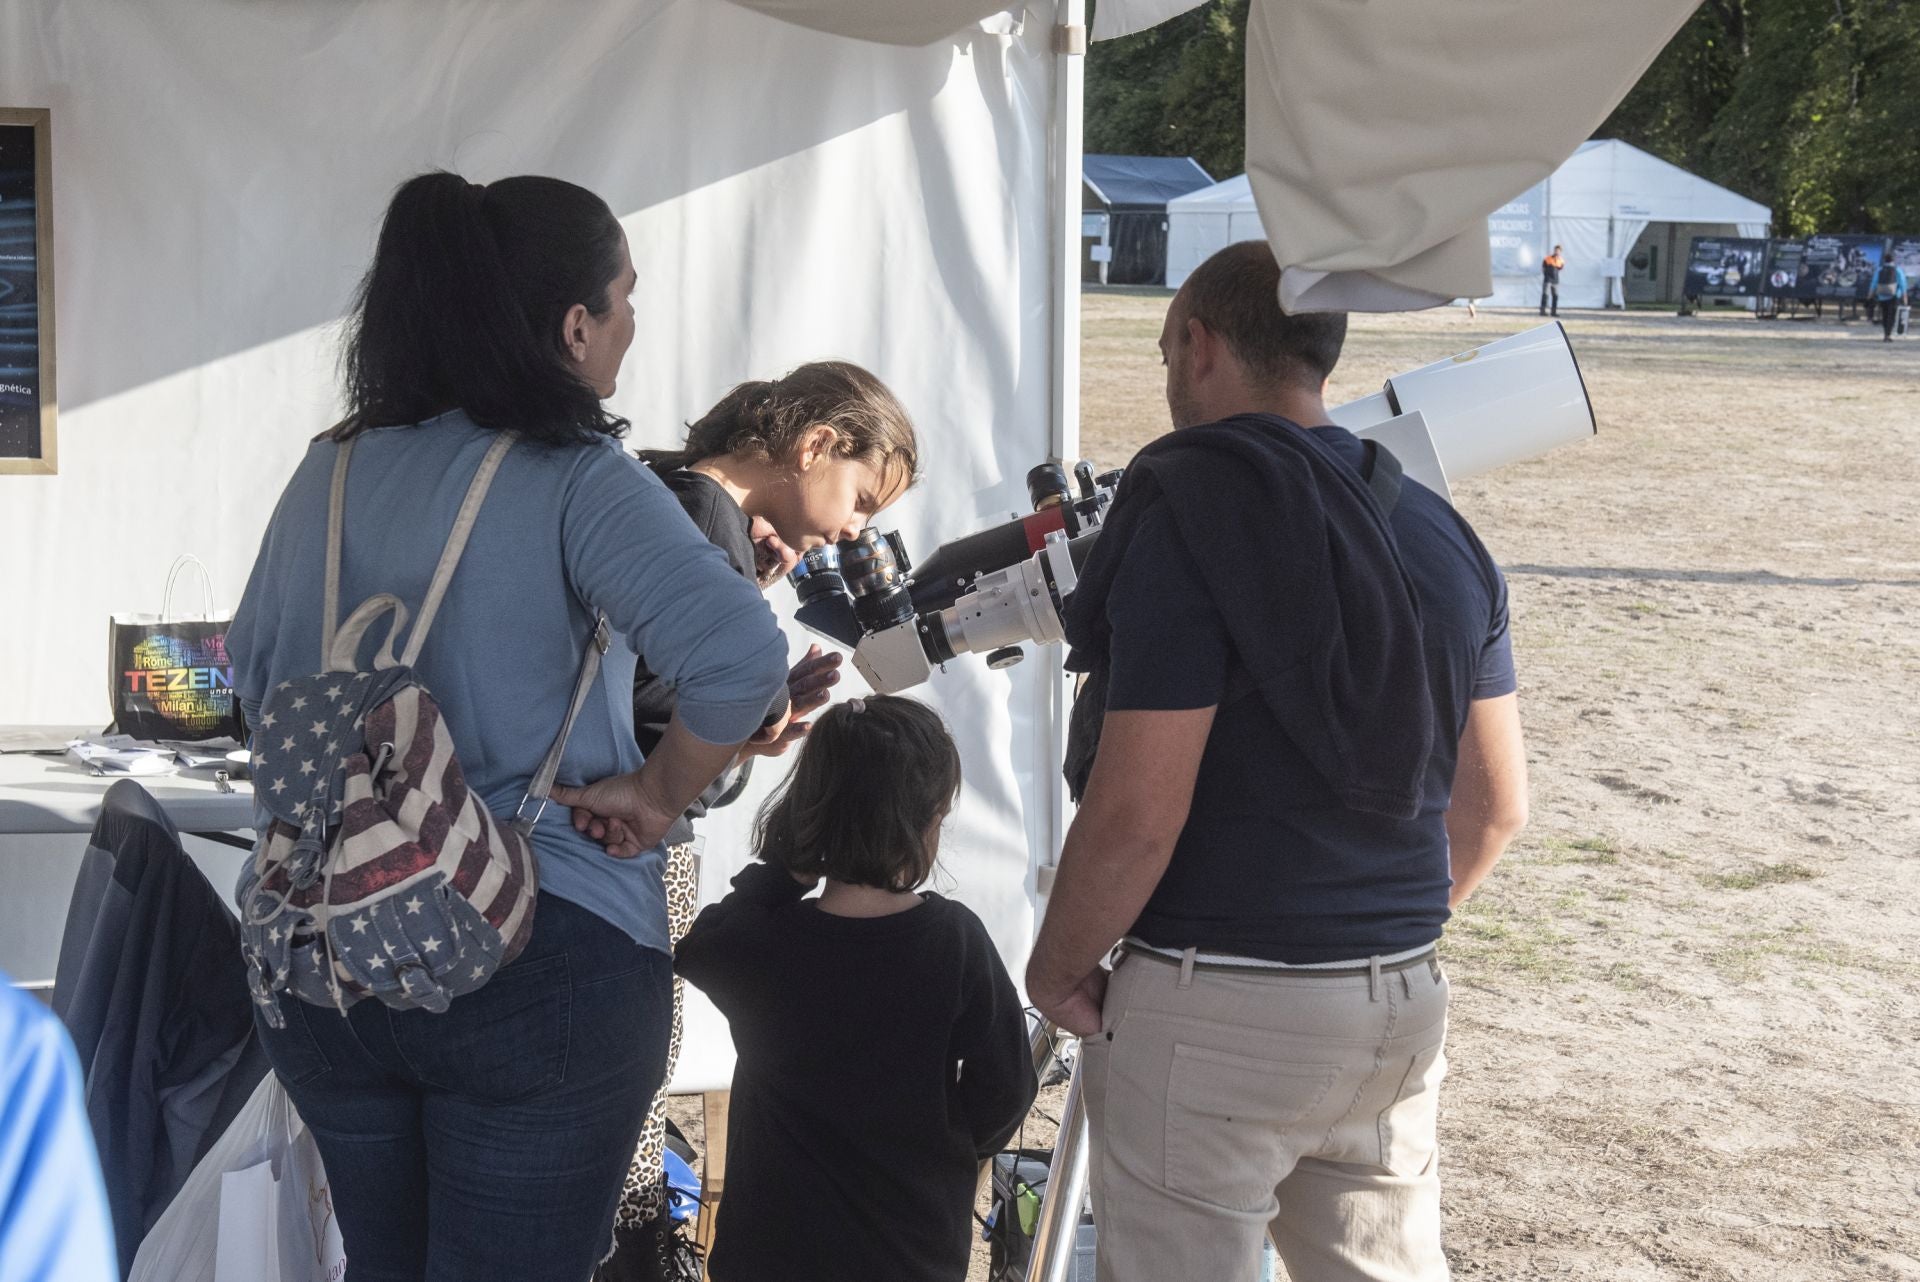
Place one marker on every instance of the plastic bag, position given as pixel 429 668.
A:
pixel 256 1209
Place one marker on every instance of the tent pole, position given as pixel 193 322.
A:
pixel 1068 42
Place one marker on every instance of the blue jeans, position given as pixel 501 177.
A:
pixel 488 1143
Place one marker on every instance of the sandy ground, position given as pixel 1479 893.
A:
pixel 1685 1007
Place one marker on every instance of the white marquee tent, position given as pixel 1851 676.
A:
pixel 1607 197
pixel 219 167
pixel 1201 223
pixel 1603 199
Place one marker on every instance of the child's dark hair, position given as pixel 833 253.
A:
pixel 873 780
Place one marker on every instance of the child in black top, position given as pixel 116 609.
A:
pixel 882 1048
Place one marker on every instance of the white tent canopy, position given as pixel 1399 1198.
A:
pixel 1603 197
pixel 1201 223
pixel 1596 204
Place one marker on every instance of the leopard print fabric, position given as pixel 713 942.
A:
pixel 644 1196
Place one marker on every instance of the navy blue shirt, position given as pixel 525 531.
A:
pixel 1270 864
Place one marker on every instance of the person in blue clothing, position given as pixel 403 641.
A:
pixel 1889 295
pixel 488 1143
pixel 53 1207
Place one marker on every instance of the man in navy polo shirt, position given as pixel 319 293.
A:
pixel 1266 1058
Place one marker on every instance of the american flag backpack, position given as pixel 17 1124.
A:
pixel 380 873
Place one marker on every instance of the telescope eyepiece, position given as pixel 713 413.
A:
pixel 1047 486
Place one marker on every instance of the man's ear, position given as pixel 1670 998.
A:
pixel 1203 350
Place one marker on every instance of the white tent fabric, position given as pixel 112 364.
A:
pixel 220 167
pixel 1381 135
pixel 1605 195
pixel 897 22
pixel 1201 223
pixel 1115 18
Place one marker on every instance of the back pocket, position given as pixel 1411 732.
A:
pixel 1232 1123
pixel 502 1041
pixel 1409 1127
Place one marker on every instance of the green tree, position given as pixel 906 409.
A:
pixel 1178 89
pixel 1806 105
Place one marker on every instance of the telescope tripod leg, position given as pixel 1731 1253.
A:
pixel 1055 1235
pixel 1055 1232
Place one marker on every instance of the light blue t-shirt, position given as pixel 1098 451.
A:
pixel 562 527
pixel 53 1208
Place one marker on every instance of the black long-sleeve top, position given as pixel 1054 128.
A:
pixel 718 517
pixel 880 1060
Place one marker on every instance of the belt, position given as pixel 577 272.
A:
pixel 1429 957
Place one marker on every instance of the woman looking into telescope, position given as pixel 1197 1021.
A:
pixel 776 468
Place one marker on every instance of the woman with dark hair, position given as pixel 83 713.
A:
pixel 489 1141
pixel 775 468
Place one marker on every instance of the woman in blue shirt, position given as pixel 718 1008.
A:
pixel 488 1142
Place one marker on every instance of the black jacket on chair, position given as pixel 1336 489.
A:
pixel 152 987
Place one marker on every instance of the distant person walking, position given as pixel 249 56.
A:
pixel 1550 281
pixel 1890 292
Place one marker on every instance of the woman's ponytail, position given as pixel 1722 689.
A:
pixel 464 304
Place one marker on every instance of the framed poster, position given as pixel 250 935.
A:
pixel 27 399
pixel 1786 260
pixel 1841 266
pixel 1725 267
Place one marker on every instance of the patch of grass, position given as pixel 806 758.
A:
pixel 1600 852
pixel 1626 977
pixel 1780 874
pixel 1502 944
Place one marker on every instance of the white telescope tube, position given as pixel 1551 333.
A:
pixel 1512 399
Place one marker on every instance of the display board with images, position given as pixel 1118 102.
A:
pixel 1725 266
pixel 1785 262
pixel 26 294
pixel 1840 267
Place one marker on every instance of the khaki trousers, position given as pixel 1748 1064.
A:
pixel 1229 1106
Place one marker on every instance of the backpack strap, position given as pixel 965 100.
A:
pixel 541 784
pixel 456 544
pixel 463 522
pixel 336 517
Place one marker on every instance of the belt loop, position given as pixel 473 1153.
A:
pixel 1186 967
pixel 1373 978
pixel 1433 964
pixel 1406 983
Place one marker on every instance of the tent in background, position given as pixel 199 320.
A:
pixel 1619 212
pixel 1626 219
pixel 1124 207
pixel 1201 223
